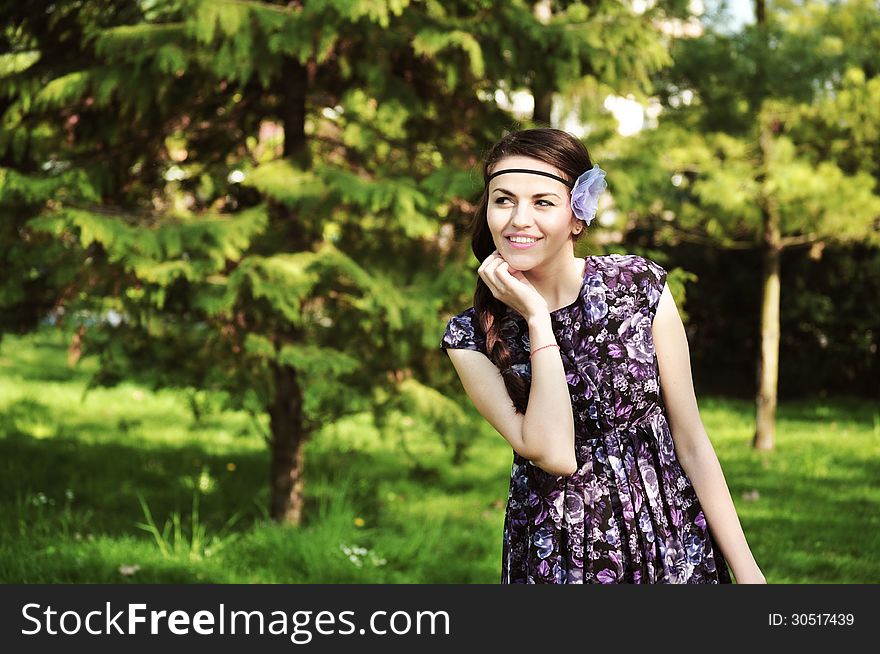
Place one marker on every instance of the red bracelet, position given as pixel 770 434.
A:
pixel 541 348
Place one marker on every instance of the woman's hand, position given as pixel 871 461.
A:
pixel 511 287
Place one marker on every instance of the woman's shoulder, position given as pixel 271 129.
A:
pixel 468 318
pixel 628 260
pixel 463 331
pixel 632 278
pixel 628 265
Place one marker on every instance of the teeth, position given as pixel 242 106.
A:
pixel 522 239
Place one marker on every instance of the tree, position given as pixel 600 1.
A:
pixel 260 191
pixel 755 149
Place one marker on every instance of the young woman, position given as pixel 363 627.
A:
pixel 614 479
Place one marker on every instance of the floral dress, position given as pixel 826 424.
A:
pixel 629 514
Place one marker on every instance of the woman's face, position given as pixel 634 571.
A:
pixel 532 205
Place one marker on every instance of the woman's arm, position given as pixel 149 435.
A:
pixel 692 445
pixel 548 425
pixel 545 434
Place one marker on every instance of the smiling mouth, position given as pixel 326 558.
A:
pixel 519 240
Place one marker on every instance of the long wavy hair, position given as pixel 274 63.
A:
pixel 562 151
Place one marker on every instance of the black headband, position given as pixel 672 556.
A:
pixel 526 170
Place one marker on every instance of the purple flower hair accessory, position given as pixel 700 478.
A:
pixel 585 193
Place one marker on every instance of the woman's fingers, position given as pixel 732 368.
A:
pixel 489 272
pixel 491 262
pixel 497 270
pixel 488 263
pixel 496 273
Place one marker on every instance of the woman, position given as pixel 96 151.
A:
pixel 614 479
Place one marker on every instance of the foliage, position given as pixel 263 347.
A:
pixel 219 190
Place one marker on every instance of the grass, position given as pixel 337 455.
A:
pixel 123 486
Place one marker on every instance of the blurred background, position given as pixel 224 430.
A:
pixel 232 232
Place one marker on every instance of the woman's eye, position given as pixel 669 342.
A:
pixel 548 203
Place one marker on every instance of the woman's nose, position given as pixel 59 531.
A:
pixel 522 217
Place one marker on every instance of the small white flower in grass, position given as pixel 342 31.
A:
pixel 128 570
pixel 357 555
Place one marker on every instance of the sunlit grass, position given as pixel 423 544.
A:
pixel 123 486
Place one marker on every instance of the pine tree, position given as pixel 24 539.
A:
pixel 261 191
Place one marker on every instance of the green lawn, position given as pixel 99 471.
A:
pixel 73 473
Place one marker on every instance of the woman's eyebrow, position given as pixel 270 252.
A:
pixel 536 195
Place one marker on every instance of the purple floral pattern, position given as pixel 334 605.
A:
pixel 629 514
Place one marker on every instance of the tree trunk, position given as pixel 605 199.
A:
pixel 288 440
pixel 292 87
pixel 288 433
pixel 768 356
pixel 541 91
pixel 768 361
pixel 543 105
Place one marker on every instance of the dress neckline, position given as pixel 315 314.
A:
pixel 580 292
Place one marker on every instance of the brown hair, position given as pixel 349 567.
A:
pixel 556 148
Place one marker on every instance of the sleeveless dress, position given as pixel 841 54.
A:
pixel 629 514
